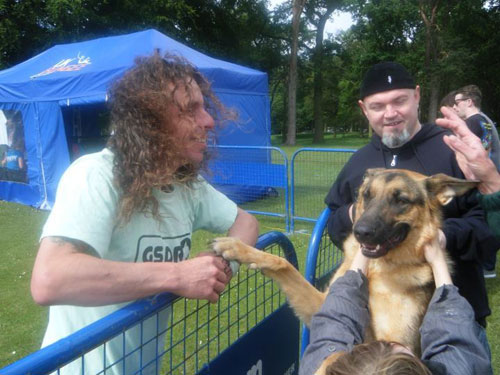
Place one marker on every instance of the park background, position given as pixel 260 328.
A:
pixel 445 44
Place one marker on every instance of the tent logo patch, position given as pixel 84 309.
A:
pixel 66 65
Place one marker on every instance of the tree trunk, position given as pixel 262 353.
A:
pixel 298 5
pixel 434 98
pixel 319 129
pixel 284 127
pixel 431 54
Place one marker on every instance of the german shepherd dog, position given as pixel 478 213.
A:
pixel 397 213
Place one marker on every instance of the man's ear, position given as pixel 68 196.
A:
pixel 362 106
pixel 417 93
pixel 445 188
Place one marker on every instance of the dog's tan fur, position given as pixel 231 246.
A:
pixel 400 282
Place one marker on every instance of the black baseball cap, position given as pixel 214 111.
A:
pixel 385 76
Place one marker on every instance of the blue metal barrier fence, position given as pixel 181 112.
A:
pixel 313 171
pixel 323 258
pixel 255 177
pixel 251 330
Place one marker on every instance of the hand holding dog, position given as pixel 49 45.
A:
pixel 204 277
pixel 435 255
pixel 360 262
pixel 227 265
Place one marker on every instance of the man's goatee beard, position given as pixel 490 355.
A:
pixel 396 140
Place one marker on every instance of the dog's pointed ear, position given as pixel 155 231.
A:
pixel 445 188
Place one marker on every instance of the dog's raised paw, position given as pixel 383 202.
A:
pixel 225 246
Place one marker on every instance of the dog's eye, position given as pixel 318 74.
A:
pixel 404 200
pixel 366 194
pixel 401 199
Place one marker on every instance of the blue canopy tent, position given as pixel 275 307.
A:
pixel 33 96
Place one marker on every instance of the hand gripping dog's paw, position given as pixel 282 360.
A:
pixel 231 248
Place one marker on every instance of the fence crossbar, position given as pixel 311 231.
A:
pixel 312 183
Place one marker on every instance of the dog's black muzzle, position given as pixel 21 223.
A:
pixel 377 237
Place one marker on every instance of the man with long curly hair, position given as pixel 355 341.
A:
pixel 123 218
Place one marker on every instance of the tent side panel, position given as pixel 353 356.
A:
pixel 45 153
pixel 233 170
pixel 26 188
pixel 53 148
pixel 19 193
pixel 253 127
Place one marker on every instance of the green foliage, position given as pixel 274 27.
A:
pixel 22 31
pixel 236 30
pixel 248 32
pixel 394 30
pixel 474 50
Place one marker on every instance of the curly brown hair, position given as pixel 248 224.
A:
pixel 147 153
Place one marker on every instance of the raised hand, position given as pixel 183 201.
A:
pixel 471 156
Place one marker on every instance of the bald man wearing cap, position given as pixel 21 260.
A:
pixel 389 98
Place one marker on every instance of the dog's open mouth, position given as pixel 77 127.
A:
pixel 378 250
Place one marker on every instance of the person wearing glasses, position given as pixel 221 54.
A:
pixel 474 162
pixel 468 107
pixel 467 104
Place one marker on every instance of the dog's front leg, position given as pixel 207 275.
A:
pixel 304 299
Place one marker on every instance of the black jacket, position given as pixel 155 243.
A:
pixel 465 227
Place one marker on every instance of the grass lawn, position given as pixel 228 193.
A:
pixel 22 323
pixel 351 140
